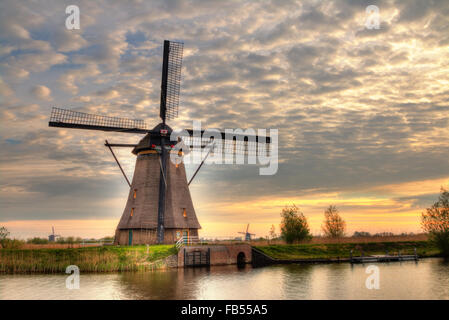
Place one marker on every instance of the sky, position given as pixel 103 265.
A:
pixel 362 114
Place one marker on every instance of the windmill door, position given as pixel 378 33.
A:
pixel 185 236
pixel 130 238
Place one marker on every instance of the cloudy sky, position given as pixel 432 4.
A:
pixel 363 114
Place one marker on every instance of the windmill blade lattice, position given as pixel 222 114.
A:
pixel 171 79
pixel 73 119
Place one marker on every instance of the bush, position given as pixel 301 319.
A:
pixel 384 234
pixel 360 234
pixel 441 240
pixel 12 244
pixel 37 240
pixel 294 226
pixel 435 221
pixel 68 240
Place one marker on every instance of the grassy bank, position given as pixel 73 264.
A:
pixel 90 259
pixel 342 250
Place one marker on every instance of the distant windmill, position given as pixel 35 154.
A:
pixel 159 207
pixel 53 236
pixel 247 234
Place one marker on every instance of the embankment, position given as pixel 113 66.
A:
pixel 335 252
pixel 142 258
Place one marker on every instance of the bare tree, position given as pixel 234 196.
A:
pixel 272 233
pixel 333 226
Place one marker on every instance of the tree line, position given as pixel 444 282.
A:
pixel 8 243
pixel 295 228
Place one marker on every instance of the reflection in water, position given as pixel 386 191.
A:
pixel 427 279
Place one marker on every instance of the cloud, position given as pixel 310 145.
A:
pixel 42 92
pixel 69 79
pixel 358 110
pixel 5 90
pixel 68 40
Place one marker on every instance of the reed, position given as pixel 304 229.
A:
pixel 90 259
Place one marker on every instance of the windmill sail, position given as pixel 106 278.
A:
pixel 171 79
pixel 79 120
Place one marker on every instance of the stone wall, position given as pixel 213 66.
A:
pixel 260 259
pixel 219 254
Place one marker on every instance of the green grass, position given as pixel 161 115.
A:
pixel 89 259
pixel 342 250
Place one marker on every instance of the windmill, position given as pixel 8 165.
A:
pixel 53 236
pixel 159 208
pixel 247 234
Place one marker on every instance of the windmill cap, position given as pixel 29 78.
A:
pixel 153 138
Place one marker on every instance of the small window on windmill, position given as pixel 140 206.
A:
pixel 184 212
pixel 135 194
pixel 132 212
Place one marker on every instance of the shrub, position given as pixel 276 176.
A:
pixel 37 240
pixel 12 244
pixel 435 221
pixel 360 234
pixel 294 226
pixel 4 233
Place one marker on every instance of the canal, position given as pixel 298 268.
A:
pixel 426 279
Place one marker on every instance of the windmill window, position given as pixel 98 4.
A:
pixel 132 212
pixel 184 213
pixel 135 194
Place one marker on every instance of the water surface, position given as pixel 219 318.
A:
pixel 426 279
